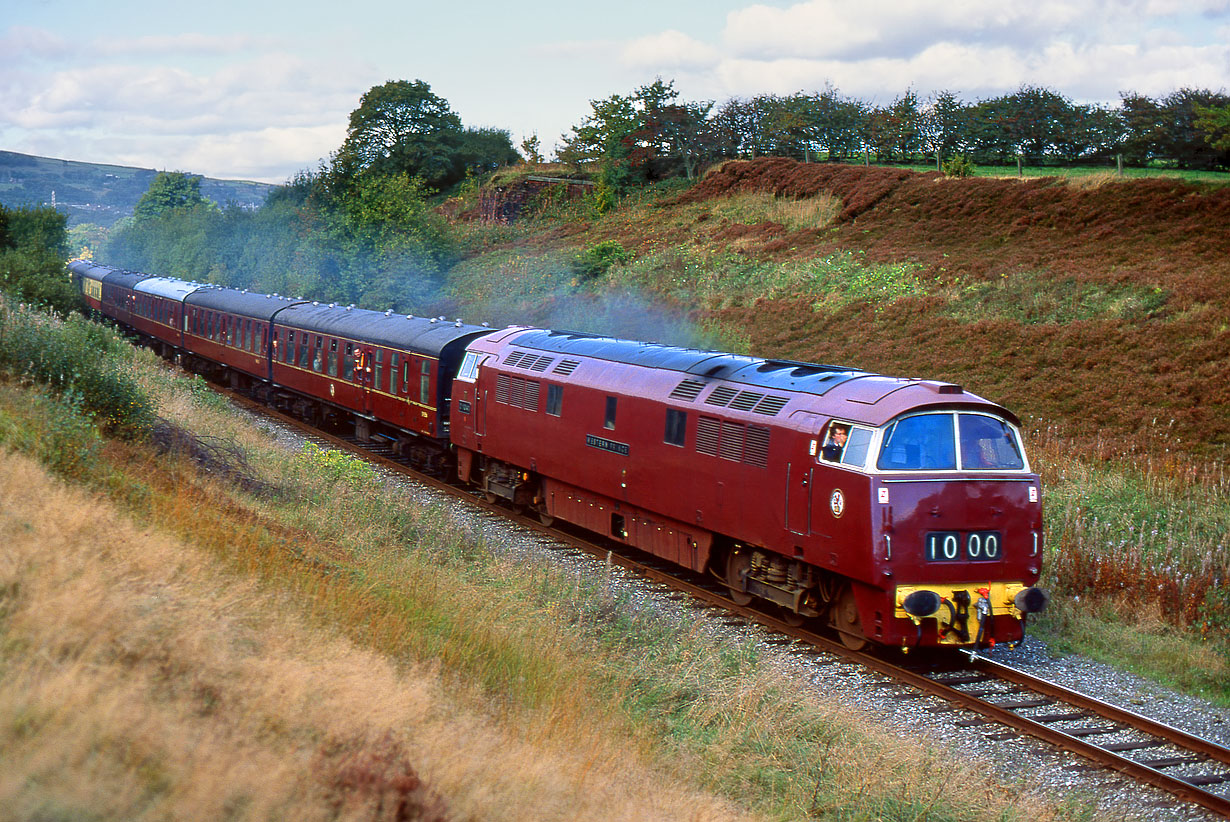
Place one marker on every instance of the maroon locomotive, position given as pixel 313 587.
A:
pixel 922 526
pixel 899 511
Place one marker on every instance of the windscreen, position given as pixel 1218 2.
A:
pixel 934 442
pixel 988 444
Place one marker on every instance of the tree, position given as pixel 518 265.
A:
pixel 1214 123
pixel 400 128
pixel 33 245
pixel 170 190
pixel 532 149
pixel 944 126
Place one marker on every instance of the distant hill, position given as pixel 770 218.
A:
pixel 100 194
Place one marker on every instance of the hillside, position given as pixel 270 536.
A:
pixel 97 193
pixel 1100 306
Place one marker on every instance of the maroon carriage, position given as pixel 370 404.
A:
pixel 902 511
pixel 228 332
pixel 392 373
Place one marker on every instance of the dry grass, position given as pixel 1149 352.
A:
pixel 752 208
pixel 140 681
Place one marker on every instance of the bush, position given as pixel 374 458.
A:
pixel 75 358
pixel 596 260
pixel 958 166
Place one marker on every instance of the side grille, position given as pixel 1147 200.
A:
pixel 720 396
pixel 731 447
pixel 687 390
pixel 566 367
pixel 746 400
pixel 770 405
pixel 517 391
pixel 757 452
pixel 707 436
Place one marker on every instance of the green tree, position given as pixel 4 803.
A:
pixel 1214 123
pixel 33 247
pixel 168 191
pixel 401 127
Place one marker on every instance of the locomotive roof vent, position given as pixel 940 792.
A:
pixel 949 388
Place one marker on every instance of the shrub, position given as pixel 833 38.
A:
pixel 958 166
pixel 596 260
pixel 75 357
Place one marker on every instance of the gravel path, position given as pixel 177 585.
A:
pixel 1017 759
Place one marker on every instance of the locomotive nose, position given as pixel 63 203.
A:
pixel 1031 600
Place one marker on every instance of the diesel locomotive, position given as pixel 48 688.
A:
pixel 899 512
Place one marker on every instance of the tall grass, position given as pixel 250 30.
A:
pixel 1139 537
pixel 717 280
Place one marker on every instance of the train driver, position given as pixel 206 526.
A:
pixel 836 443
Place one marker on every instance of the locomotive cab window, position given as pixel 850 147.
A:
pixel 555 400
pixel 950 441
pixel 469 366
pixel 846 444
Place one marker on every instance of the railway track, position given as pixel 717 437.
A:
pixel 1192 769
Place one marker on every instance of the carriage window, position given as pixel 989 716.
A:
pixel 922 442
pixel 676 426
pixel 393 363
pixel 378 368
pixel 332 358
pixel 348 363
pixel 988 444
pixel 318 355
pixel 425 383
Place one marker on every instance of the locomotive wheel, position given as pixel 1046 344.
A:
pixel 737 565
pixel 844 618
pixel 543 517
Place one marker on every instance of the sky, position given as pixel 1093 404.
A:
pixel 261 90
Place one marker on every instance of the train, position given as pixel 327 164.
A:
pixel 897 512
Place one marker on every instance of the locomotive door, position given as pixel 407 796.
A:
pixel 799 477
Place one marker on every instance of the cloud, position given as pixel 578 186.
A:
pixel 184 44
pixel 1089 50
pixel 669 50
pixel 22 42
pixel 821 29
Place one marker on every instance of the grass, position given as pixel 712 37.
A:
pixel 1079 175
pixel 173 646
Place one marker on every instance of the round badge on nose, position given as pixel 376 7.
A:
pixel 837 502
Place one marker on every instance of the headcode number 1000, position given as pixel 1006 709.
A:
pixel 953 546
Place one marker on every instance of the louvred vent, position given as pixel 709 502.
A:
pixel 566 367
pixel 687 390
pixel 770 405
pixel 707 436
pixel 720 396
